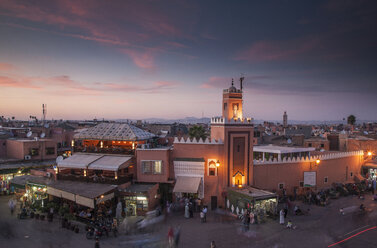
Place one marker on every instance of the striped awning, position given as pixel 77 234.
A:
pixel 187 185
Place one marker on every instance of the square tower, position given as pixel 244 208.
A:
pixel 237 133
pixel 232 103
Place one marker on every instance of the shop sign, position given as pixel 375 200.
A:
pixel 309 178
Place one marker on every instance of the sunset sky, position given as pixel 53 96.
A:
pixel 317 60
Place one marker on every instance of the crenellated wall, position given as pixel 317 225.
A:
pixel 326 156
pixel 336 167
pixel 207 141
pixel 221 120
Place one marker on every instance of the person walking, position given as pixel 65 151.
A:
pixel 285 212
pixel 96 244
pixel 341 211
pixel 213 245
pixel 171 237
pixel 177 234
pixel 282 217
pixel 11 205
pixel 205 210
pixel 290 224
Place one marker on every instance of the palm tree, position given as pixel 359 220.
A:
pixel 351 120
pixel 197 132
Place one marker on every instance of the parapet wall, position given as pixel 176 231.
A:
pixel 221 120
pixel 207 141
pixel 327 156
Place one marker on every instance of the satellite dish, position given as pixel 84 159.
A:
pixel 365 132
pixel 29 134
pixel 59 159
pixel 289 141
pixel 22 125
pixel 47 125
pixel 43 135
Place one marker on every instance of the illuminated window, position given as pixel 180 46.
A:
pixel 151 167
pixel 157 169
pixel 212 168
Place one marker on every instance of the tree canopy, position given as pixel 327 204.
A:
pixel 197 132
pixel 351 120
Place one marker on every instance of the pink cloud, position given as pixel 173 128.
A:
pixel 278 50
pixel 14 83
pixel 6 67
pixel 144 60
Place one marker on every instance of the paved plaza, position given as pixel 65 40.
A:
pixel 322 228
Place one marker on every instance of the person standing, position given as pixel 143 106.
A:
pixel 282 217
pixel 191 210
pixel 202 216
pixel 251 218
pixel 187 211
pixel 285 212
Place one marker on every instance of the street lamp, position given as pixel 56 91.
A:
pixel 317 162
pixel 218 163
pixel 369 153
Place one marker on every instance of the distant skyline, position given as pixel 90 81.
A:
pixel 317 60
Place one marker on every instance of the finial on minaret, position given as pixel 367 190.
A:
pixel 232 82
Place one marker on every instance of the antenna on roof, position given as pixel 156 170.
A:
pixel 241 80
pixel 44 112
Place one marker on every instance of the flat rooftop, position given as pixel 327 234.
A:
pixel 282 149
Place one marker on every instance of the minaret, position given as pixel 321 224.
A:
pixel 285 119
pixel 232 103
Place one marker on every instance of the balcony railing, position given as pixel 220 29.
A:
pixel 104 180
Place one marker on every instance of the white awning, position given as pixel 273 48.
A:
pixel 111 163
pixel 79 161
pixel 54 192
pixel 84 201
pixel 68 196
pixel 187 185
pixel 60 193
